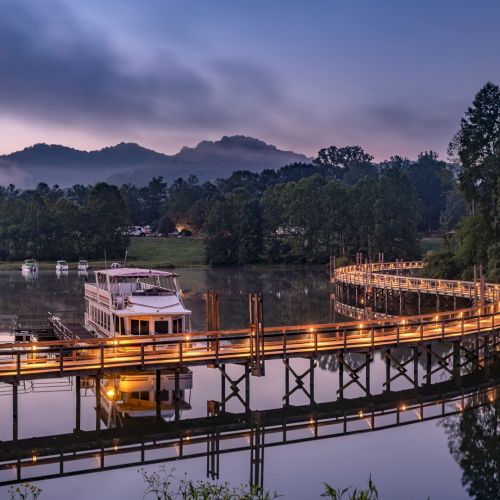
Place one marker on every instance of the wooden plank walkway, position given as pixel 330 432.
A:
pixel 377 275
pixel 95 356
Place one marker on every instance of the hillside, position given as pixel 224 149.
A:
pixel 130 162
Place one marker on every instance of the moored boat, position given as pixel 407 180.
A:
pixel 132 301
pixel 29 266
pixel 83 265
pixel 62 265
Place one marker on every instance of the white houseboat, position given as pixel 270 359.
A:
pixel 29 266
pixel 62 265
pixel 83 265
pixel 130 301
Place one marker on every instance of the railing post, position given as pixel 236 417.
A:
pixel 102 357
pixel 257 347
pixel 61 361
pixel 142 356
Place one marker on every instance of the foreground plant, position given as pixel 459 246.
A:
pixel 163 485
pixel 370 493
pixel 24 491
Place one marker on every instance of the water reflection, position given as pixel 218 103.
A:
pixel 131 433
pixel 285 291
pixel 137 433
pixel 131 398
pixel 474 442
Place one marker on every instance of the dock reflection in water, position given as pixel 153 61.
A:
pixel 138 431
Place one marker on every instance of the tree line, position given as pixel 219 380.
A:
pixel 341 203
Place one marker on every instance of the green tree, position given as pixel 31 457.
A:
pixel 221 244
pixel 433 180
pixel 476 148
pixel 102 222
pixel 396 216
pixel 338 160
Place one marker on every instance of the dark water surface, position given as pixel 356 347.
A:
pixel 414 461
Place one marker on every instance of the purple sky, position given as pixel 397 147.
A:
pixel 392 76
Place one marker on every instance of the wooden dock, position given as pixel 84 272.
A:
pixel 77 355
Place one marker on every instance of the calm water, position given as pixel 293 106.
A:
pixel 411 462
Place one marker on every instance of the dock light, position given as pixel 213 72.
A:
pixel 115 447
pixel 34 458
pixel 402 407
pixel 188 337
pixel 110 392
pixel 361 414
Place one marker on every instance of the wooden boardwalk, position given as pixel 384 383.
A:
pixel 78 356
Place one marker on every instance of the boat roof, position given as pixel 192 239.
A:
pixel 153 306
pixel 135 272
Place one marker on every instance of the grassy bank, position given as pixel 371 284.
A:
pixel 431 245
pixel 143 252
pixel 167 252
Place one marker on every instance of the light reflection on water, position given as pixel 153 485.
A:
pixel 398 459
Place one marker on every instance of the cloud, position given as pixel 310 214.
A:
pixel 386 127
pixel 412 121
pixel 11 174
pixel 55 68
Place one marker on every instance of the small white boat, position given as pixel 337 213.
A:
pixel 83 265
pixel 62 265
pixel 115 265
pixel 29 266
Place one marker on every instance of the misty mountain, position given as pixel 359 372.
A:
pixel 130 162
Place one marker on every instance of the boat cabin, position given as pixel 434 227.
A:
pixel 131 301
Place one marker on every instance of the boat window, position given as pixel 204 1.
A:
pixel 142 395
pixel 177 325
pixel 161 326
pixel 134 327
pixel 138 327
pixel 119 325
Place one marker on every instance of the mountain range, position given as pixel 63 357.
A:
pixel 130 162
